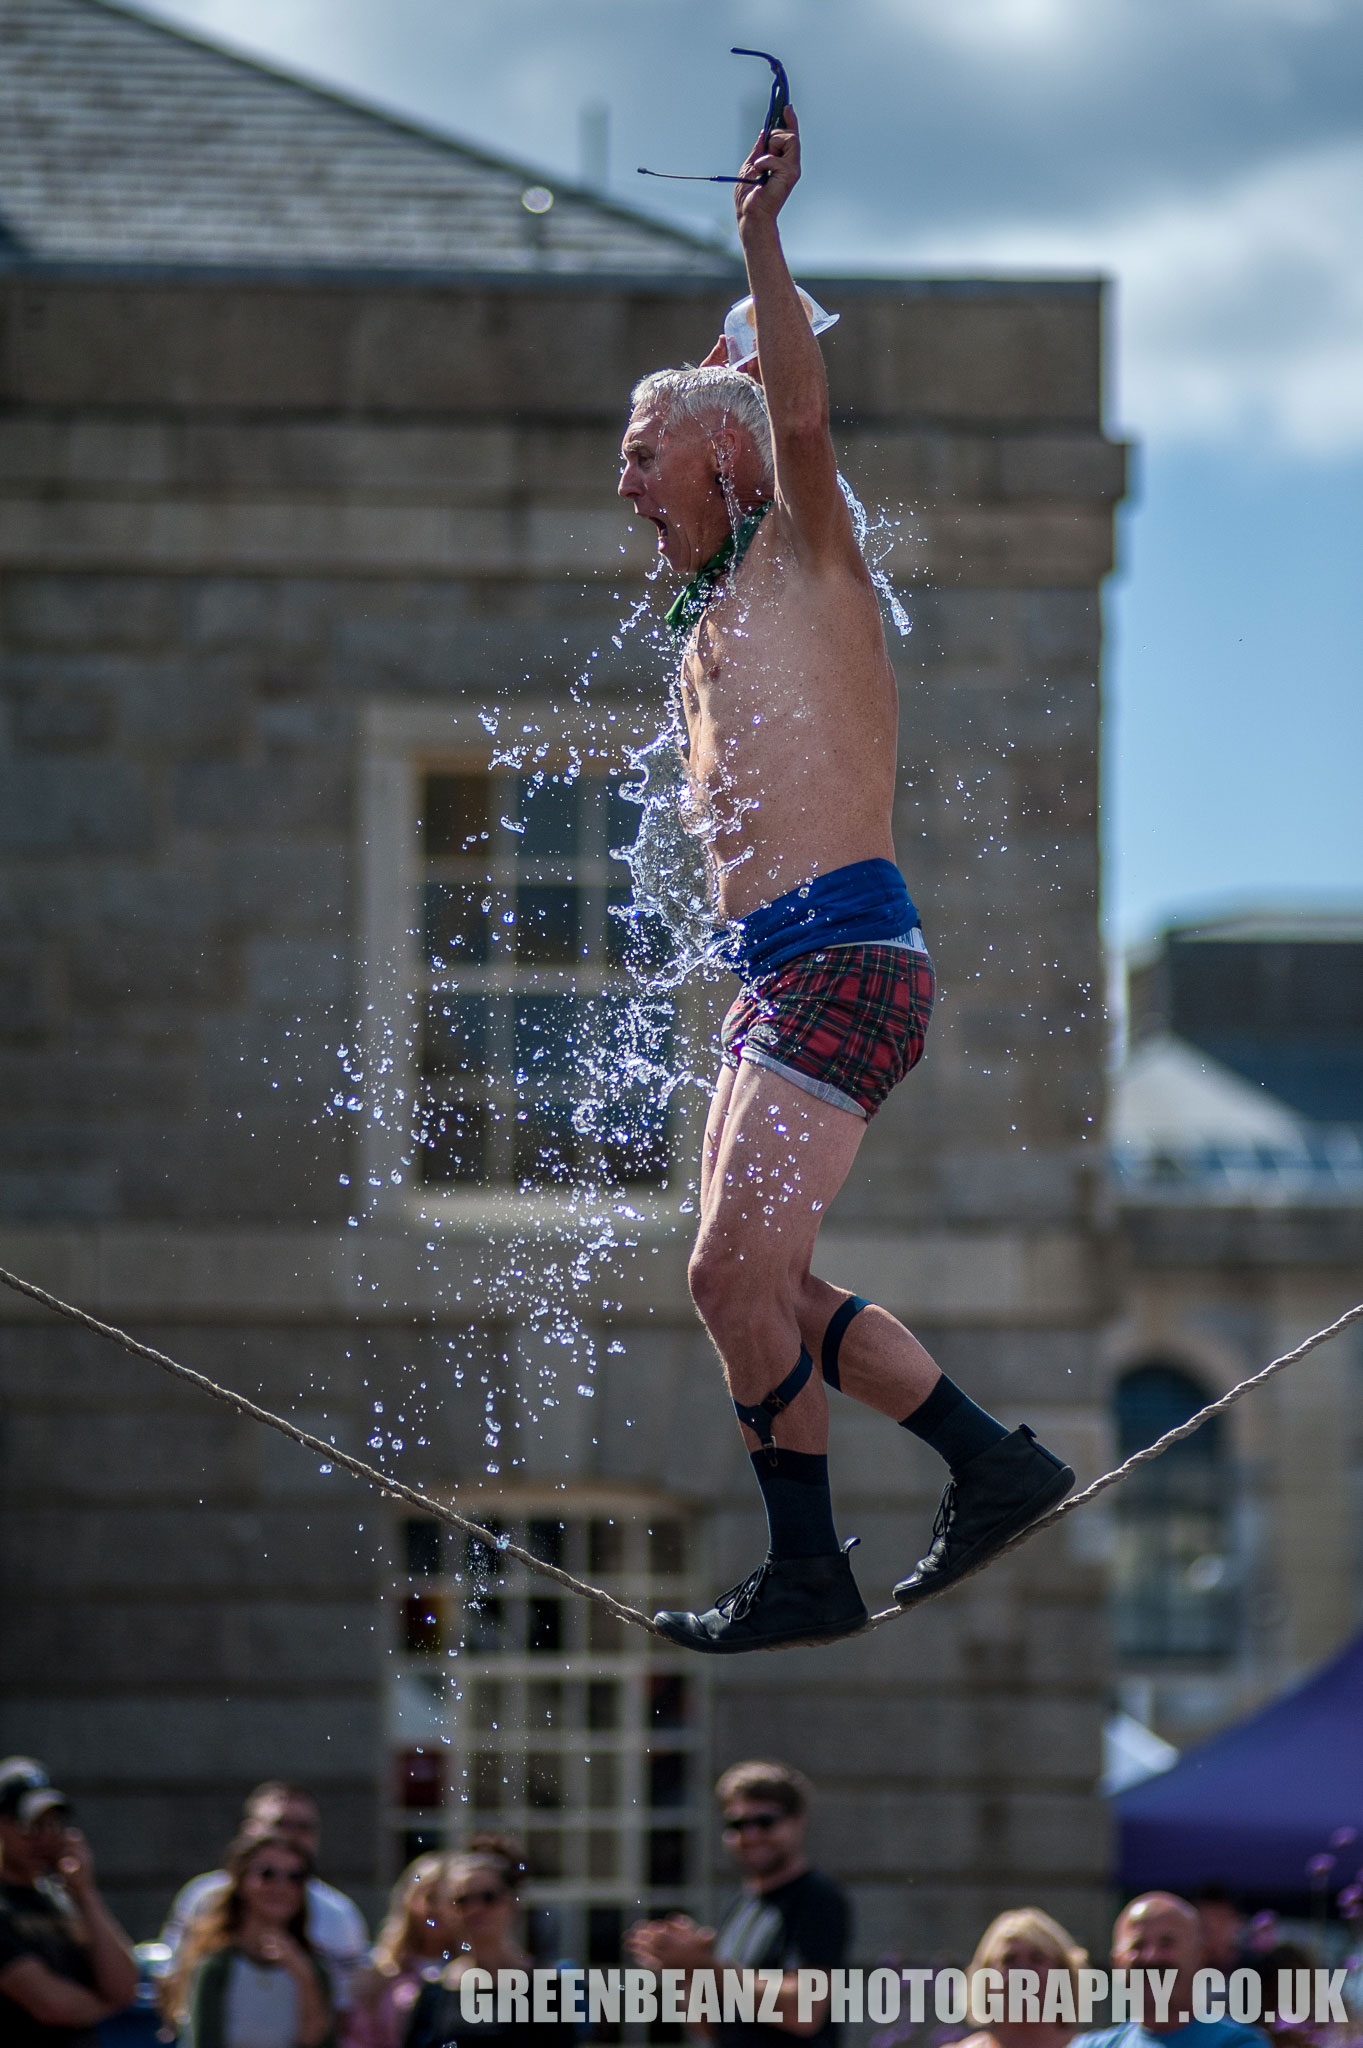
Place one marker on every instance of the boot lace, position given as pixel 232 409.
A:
pixel 739 1599
pixel 946 1509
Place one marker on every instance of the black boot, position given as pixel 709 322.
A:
pixel 786 1600
pixel 990 1498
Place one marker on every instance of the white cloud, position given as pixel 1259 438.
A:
pixel 1240 310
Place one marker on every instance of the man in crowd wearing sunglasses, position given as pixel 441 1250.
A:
pixel 788 701
pixel 787 1916
pixel 65 1963
pixel 335 1924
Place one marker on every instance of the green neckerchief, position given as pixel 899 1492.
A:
pixel 684 611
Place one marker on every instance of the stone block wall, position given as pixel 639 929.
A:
pixel 235 517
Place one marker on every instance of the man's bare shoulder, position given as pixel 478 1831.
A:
pixel 833 576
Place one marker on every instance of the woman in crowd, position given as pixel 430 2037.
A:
pixel 480 1889
pixel 419 1934
pixel 248 1976
pixel 1025 1939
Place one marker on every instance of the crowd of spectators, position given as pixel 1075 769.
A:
pixel 263 1953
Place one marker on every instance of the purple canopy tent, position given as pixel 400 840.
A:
pixel 1251 1807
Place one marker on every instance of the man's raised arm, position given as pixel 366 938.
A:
pixel 791 360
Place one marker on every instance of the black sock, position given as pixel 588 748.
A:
pixel 795 1494
pixel 951 1424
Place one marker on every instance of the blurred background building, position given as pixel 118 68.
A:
pixel 1237 1145
pixel 307 452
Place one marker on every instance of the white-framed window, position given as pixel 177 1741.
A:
pixel 495 998
pixel 518 1707
pixel 525 1003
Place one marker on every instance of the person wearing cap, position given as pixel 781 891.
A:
pixel 65 1963
pixel 335 1924
pixel 788 729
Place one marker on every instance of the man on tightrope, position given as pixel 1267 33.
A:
pixel 790 709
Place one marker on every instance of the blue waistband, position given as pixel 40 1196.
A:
pixel 866 903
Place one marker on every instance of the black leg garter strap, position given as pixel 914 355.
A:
pixel 759 1418
pixel 834 1334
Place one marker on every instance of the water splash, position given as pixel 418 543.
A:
pixel 877 539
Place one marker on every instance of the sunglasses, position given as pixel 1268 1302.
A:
pixel 270 1873
pixel 754 1823
pixel 475 1898
pixel 780 100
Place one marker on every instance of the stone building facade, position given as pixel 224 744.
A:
pixel 305 554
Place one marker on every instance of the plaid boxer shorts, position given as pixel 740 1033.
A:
pixel 846 1023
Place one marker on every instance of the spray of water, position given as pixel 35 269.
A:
pixel 629 1051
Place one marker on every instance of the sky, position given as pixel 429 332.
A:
pixel 1206 155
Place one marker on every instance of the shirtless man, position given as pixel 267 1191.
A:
pixel 791 715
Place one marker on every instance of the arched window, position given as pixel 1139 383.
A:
pixel 1174 1590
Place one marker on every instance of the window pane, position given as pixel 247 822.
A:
pixel 456 924
pixel 551 811
pixel 421 1779
pixel 639 1148
pixel 548 923
pixel 481 1560
pixel 549 1032
pixel 603 1854
pixel 667 1778
pixel 455 814
pixel 667 1548
pixel 603 1703
pixel 544 1853
pixel 667 1701
pixel 421 1541
pixel 543 1785
pixel 617 927
pixel 454 1140
pixel 667 1856
pixel 543 1625
pixel 486 1787
pixel 603 1780
pixel 544 1703
pixel 547 1148
pixel 622 819
pixel 484 1628
pixel 604 1632
pixel 422 1625
pixel 605 1547
pixel 605 1935
pixel 488 1707
pixel 457 1038
pixel 544 1540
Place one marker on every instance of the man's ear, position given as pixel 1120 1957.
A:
pixel 724 448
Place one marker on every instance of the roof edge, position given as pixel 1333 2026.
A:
pixel 674 283
pixel 374 110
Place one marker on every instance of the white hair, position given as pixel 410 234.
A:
pixel 713 396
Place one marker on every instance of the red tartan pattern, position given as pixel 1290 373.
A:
pixel 852 1017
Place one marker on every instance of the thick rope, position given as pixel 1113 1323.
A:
pixel 504 1547
pixel 500 1545
pixel 1155 1450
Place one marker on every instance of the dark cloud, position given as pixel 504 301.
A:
pixel 1209 153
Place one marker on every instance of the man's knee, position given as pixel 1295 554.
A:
pixel 708 1279
pixel 728 1290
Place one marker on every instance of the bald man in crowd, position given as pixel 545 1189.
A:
pixel 1161 1932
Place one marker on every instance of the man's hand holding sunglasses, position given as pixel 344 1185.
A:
pixel 780 159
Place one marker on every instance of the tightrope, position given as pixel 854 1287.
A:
pixel 394 1488
pixel 502 1546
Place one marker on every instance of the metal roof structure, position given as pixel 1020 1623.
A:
pixel 125 142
